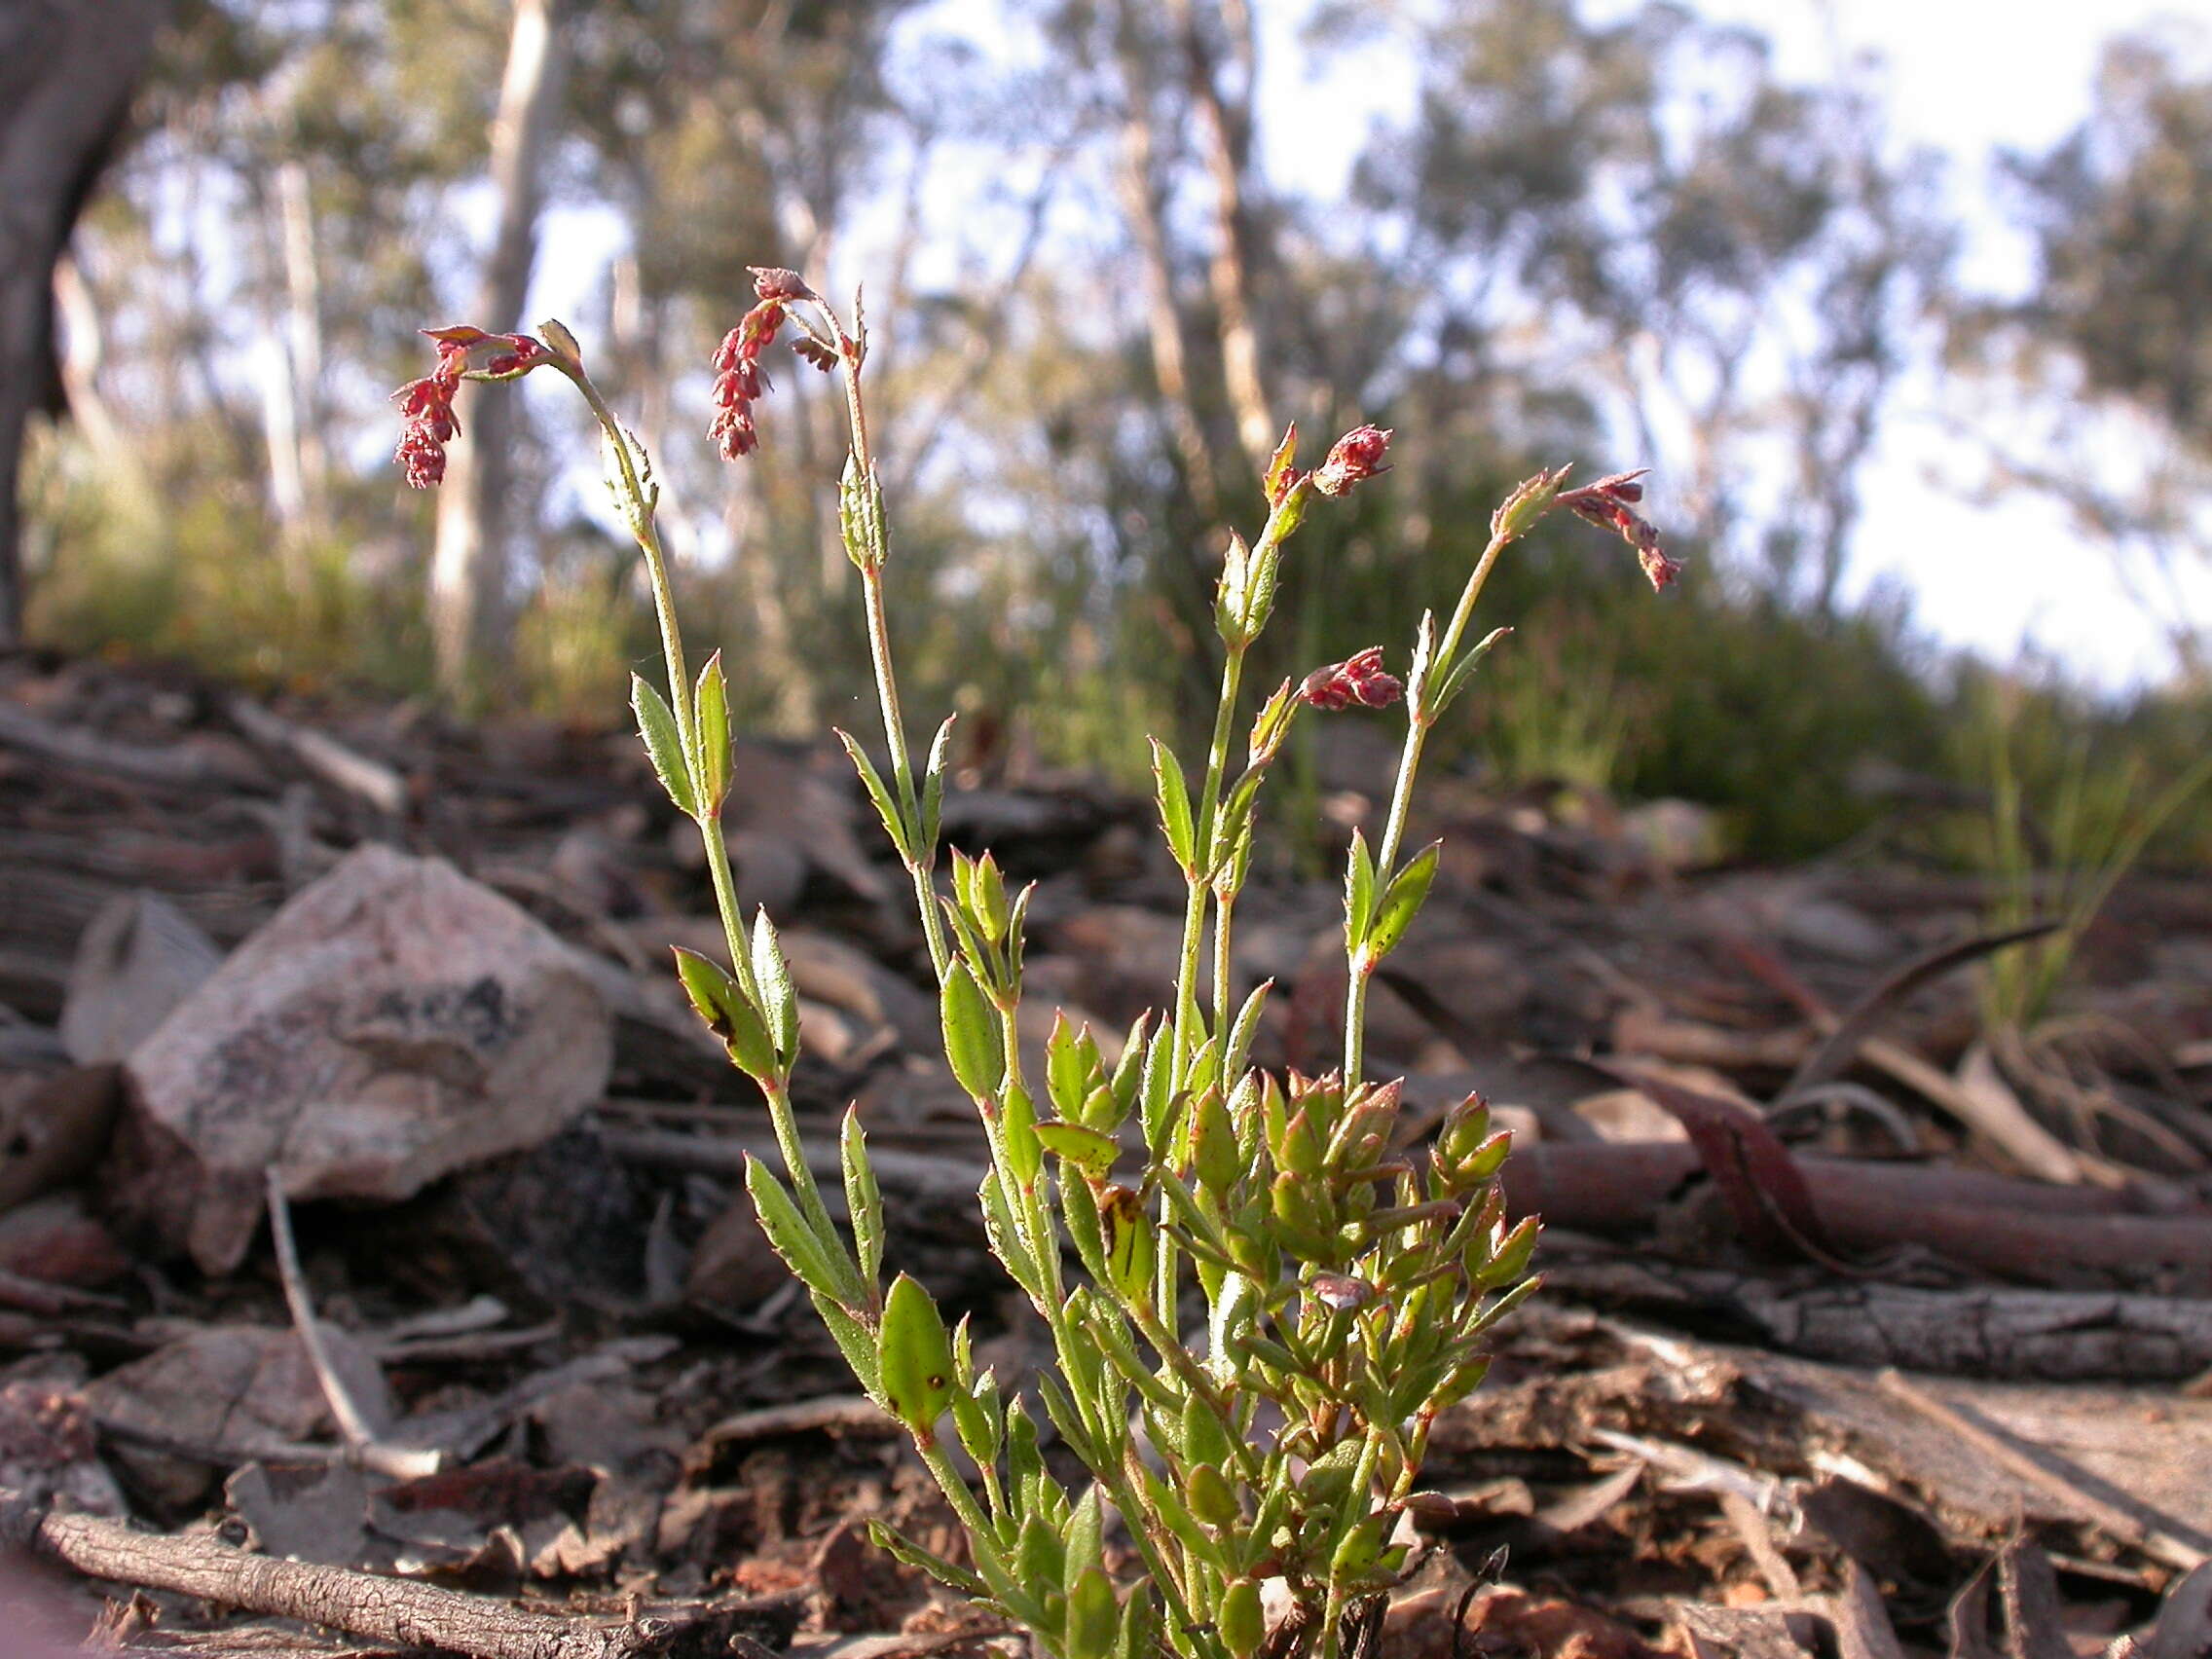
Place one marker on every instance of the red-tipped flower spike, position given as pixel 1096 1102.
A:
pixel 1359 680
pixel 739 380
pixel 1610 503
pixel 426 405
pixel 1356 458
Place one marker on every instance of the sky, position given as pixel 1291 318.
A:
pixel 1969 77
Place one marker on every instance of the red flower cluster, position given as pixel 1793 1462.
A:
pixel 1356 458
pixel 739 379
pixel 1360 680
pixel 1610 503
pixel 426 405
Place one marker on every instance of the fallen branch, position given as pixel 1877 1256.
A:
pixel 345 769
pixel 360 1604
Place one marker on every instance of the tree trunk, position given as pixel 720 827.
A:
pixel 68 71
pixel 1147 206
pixel 468 567
pixel 1225 124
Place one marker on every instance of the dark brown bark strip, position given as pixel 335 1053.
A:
pixel 360 1604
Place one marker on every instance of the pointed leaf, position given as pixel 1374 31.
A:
pixel 1091 1152
pixel 1093 1616
pixel 900 1548
pixel 1359 890
pixel 853 1341
pixel 772 976
pixel 1463 671
pixel 864 1198
pixel 1401 903
pixel 799 1245
pixel 718 1000
pixel 887 809
pixel 1174 798
pixel 933 789
pixel 664 745
pixel 971 1033
pixel 1244 1028
pixel 709 729
pixel 914 1357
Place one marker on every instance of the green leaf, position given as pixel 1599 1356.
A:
pixel 1417 676
pixel 900 1548
pixel 1093 1616
pixel 615 446
pixel 1215 1159
pixel 1158 1088
pixel 864 1200
pixel 914 1357
pixel 1463 671
pixel 1039 1556
pixel 1174 798
pixel 933 789
pixel 887 809
pixel 1359 890
pixel 1071 1066
pixel 972 1035
pixel 772 976
pixel 1243 1029
pixel 799 1245
pixel 1005 1238
pixel 1231 594
pixel 1401 903
pixel 1086 1534
pixel 664 746
pixel 853 1341
pixel 1510 1259
pixel 718 1000
pixel 1242 1620
pixel 1018 1133
pixel 1091 1152
pixel 1139 1634
pixel 709 729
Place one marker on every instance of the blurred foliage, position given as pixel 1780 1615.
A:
pixel 1607 241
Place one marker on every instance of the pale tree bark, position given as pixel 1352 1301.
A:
pixel 1146 200
pixel 1225 130
pixel 468 621
pixel 68 71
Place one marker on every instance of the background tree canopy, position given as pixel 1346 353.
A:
pixel 1619 240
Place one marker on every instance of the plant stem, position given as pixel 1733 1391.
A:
pixel 1200 888
pixel 1418 719
pixel 920 867
pixel 780 1114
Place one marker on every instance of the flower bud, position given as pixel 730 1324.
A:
pixel 1357 679
pixel 1356 458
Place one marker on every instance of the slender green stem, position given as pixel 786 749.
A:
pixel 1194 906
pixel 924 861
pixel 780 1114
pixel 1418 719
pixel 1224 911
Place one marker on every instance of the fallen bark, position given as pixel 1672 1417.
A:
pixel 2038 1336
pixel 2021 1230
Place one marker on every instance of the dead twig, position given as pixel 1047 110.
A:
pixel 361 1604
pixel 345 769
pixel 362 1444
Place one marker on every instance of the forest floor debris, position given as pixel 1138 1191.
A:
pixel 1867 1330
